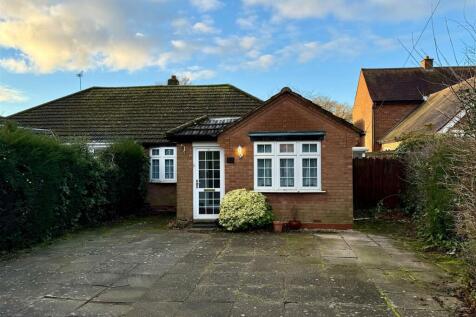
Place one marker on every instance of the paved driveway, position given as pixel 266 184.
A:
pixel 137 270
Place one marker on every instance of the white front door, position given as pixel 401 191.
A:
pixel 208 177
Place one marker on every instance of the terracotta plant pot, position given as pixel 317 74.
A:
pixel 278 226
pixel 294 224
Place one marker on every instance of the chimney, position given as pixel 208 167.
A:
pixel 427 63
pixel 173 81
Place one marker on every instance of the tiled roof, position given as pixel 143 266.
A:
pixel 143 113
pixel 440 108
pixel 203 128
pixel 412 84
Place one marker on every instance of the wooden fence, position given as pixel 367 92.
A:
pixel 375 180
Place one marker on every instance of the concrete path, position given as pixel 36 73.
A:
pixel 137 270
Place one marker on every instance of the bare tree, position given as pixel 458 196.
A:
pixel 339 109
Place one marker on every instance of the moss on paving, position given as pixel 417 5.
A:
pixel 403 232
pixel 145 224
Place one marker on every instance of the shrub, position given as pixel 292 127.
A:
pixel 241 209
pixel 48 188
pixel 428 195
pixel 126 176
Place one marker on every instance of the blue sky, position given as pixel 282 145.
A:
pixel 316 47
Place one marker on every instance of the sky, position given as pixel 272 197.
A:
pixel 316 47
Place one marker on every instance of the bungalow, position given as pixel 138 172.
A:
pixel 386 96
pixel 206 140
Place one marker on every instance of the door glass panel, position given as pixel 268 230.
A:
pixel 209 169
pixel 209 203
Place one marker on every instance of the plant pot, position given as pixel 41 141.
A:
pixel 294 225
pixel 278 226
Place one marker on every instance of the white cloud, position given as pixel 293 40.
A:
pixel 263 62
pixel 15 65
pixel 247 22
pixel 337 45
pixel 206 5
pixel 8 94
pixel 72 35
pixel 203 27
pixel 196 73
pixel 395 10
pixel 184 26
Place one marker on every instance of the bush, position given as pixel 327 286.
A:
pixel 126 176
pixel 241 209
pixel 48 188
pixel 429 196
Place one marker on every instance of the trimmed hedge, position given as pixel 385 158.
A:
pixel 48 188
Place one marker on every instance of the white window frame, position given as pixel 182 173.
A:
pixel 93 147
pixel 298 155
pixel 264 156
pixel 162 158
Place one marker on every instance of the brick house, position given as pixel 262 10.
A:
pixel 386 96
pixel 206 140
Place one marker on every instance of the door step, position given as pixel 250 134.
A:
pixel 204 225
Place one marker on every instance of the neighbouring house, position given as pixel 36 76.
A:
pixel 386 96
pixel 442 112
pixel 206 140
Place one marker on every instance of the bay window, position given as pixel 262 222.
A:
pixel 163 165
pixel 288 166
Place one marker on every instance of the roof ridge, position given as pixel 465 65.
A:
pixel 152 86
pixel 416 68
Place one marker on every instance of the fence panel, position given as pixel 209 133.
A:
pixel 375 180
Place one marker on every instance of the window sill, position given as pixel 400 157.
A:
pixel 162 181
pixel 294 191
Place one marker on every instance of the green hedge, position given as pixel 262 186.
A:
pixel 48 188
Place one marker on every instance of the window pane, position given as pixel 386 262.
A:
pixel 286 172
pixel 264 171
pixel 264 148
pixel 309 148
pixel 155 151
pixel 309 172
pixel 169 152
pixel 286 148
pixel 155 169
pixel 169 169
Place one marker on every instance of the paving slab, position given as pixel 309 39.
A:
pixel 127 271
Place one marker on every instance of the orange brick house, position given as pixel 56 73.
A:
pixel 386 96
pixel 204 141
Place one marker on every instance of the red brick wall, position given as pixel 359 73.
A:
pixel 162 196
pixel 386 117
pixel 185 181
pixel 362 112
pixel 286 113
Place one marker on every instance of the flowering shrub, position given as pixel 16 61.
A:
pixel 241 209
